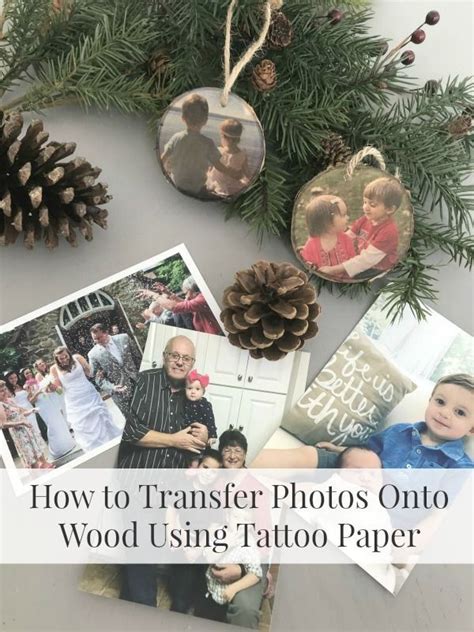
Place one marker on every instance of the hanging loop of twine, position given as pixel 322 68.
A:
pixel 359 157
pixel 230 77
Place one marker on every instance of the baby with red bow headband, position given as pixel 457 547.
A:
pixel 197 408
pixel 194 376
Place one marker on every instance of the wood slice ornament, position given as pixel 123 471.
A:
pixel 210 143
pixel 352 223
pixel 209 151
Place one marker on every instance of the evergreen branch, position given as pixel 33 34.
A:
pixel 431 237
pixel 412 284
pixel 270 195
pixel 98 70
pixel 298 125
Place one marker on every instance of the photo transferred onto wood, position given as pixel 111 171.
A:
pixel 349 230
pixel 207 150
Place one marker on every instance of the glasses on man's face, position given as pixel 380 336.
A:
pixel 176 357
pixel 233 451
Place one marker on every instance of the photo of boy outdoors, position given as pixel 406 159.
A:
pixel 220 151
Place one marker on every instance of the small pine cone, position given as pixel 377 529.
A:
pixel 157 63
pixel 264 76
pixel 270 310
pixel 42 196
pixel 460 126
pixel 335 150
pixel 62 6
pixel 280 33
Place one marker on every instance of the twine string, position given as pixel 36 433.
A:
pixel 231 75
pixel 359 157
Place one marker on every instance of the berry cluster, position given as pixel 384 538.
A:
pixel 418 36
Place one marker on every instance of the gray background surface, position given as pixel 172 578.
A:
pixel 148 216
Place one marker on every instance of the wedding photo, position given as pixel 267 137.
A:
pixel 352 229
pixel 207 150
pixel 67 376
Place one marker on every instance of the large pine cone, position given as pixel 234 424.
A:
pixel 264 76
pixel 270 310
pixel 280 33
pixel 41 196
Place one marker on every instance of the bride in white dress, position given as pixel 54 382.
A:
pixel 89 417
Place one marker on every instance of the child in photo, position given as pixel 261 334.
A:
pixel 155 314
pixel 186 581
pixel 375 234
pixel 197 409
pixel 188 155
pixel 360 468
pixel 438 441
pixel 328 243
pixel 232 156
pixel 213 601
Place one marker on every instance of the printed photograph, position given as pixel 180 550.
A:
pixel 200 402
pixel 68 372
pixel 354 229
pixel 394 395
pixel 207 150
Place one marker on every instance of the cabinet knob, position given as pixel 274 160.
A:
pixel 250 378
pixel 154 364
pixel 239 378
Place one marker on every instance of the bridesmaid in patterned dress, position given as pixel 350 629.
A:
pixel 26 441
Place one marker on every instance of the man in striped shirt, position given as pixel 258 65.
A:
pixel 154 436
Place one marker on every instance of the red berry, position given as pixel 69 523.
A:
pixel 335 16
pixel 407 58
pixel 432 18
pixel 418 36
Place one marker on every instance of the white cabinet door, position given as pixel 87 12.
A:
pixel 263 375
pixel 225 364
pixel 226 405
pixel 158 336
pixel 260 415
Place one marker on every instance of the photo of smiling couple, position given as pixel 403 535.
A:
pixel 171 425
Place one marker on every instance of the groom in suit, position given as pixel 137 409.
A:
pixel 113 365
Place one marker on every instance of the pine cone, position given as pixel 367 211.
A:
pixel 40 195
pixel 460 126
pixel 335 150
pixel 264 76
pixel 270 310
pixel 59 6
pixel 157 63
pixel 280 33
